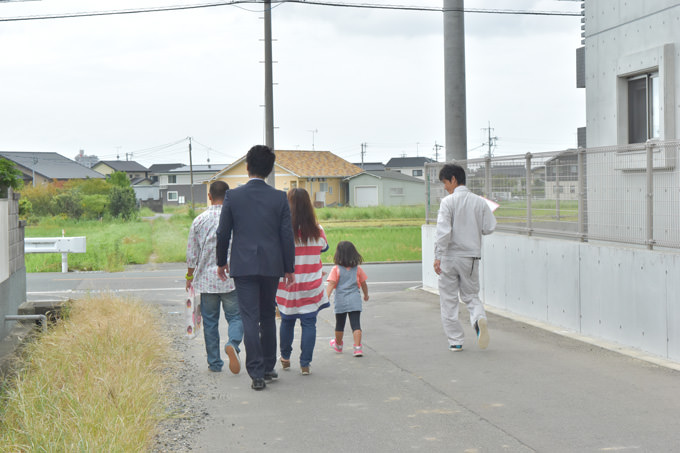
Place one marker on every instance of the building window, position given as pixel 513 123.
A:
pixel 172 196
pixel 643 108
pixel 417 172
pixel 323 187
pixel 396 191
pixel 172 179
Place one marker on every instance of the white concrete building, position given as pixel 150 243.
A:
pixel 630 68
pixel 619 284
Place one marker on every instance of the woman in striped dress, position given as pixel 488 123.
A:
pixel 303 299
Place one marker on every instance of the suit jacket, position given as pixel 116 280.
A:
pixel 259 218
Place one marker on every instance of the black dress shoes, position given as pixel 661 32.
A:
pixel 270 375
pixel 258 384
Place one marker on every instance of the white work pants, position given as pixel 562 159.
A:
pixel 459 276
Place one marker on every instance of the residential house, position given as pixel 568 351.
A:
pixel 156 169
pixel 45 167
pixel 385 188
pixel 630 68
pixel 413 166
pixel 176 186
pixel 321 173
pixel 370 166
pixel 134 171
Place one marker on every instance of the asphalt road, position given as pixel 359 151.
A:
pixel 531 390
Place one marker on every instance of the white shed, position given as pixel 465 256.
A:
pixel 385 188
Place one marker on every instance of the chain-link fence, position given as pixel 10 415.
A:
pixel 628 194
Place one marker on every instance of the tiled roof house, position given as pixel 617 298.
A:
pixel 47 167
pixel 134 170
pixel 321 173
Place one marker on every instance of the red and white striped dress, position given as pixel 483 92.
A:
pixel 307 295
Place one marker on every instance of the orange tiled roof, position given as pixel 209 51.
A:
pixel 315 164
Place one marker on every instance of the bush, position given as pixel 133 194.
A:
pixel 40 197
pixel 25 208
pixel 123 202
pixel 95 206
pixel 69 203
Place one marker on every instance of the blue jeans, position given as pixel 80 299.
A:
pixel 287 332
pixel 210 311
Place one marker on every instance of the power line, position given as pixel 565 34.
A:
pixel 433 9
pixel 305 2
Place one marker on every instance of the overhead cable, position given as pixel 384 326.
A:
pixel 304 2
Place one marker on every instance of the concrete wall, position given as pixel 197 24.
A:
pixel 625 295
pixel 12 269
pixel 147 192
pixel 200 194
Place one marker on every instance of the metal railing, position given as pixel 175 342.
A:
pixel 628 194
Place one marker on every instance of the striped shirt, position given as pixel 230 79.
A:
pixel 307 295
pixel 202 255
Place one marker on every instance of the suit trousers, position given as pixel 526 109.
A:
pixel 459 276
pixel 257 301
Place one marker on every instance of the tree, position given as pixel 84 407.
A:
pixel 123 202
pixel 90 186
pixel 10 176
pixel 119 178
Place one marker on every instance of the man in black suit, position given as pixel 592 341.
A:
pixel 262 251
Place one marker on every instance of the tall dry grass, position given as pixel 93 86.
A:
pixel 92 383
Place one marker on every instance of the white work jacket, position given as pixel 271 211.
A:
pixel 462 220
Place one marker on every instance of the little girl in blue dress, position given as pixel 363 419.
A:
pixel 346 278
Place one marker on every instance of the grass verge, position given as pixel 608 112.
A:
pixel 92 383
pixel 111 245
pixel 377 244
pixel 380 234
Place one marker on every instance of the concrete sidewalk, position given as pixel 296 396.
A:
pixel 531 390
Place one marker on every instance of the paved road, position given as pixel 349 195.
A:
pixel 532 390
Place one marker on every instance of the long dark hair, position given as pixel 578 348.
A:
pixel 303 217
pixel 346 255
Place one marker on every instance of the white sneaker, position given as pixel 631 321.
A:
pixel 482 333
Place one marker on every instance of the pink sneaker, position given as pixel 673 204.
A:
pixel 337 347
pixel 357 351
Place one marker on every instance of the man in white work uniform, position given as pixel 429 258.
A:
pixel 462 220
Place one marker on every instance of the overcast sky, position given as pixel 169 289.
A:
pixel 133 83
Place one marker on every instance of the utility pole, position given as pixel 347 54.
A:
pixel 35 162
pixel 191 175
pixel 436 151
pixel 454 80
pixel 268 85
pixel 363 152
pixel 491 141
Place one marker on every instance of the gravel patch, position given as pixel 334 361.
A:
pixel 185 405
